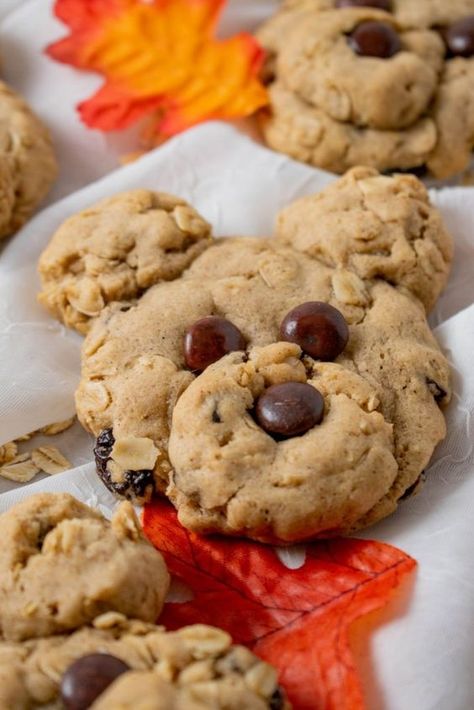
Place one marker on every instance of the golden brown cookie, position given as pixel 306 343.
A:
pixel 62 564
pixel 196 667
pixel 27 163
pixel 115 250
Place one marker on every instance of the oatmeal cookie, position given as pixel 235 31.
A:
pixel 62 564
pixel 115 250
pixel 27 163
pixel 136 665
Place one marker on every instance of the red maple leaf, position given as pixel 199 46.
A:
pixel 161 59
pixel 297 620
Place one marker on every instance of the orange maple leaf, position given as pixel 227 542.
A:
pixel 297 620
pixel 159 57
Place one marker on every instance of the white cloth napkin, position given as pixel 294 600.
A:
pixel 423 658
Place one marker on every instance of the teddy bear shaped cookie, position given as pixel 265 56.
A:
pixel 385 83
pixel 79 598
pixel 280 389
pixel 27 163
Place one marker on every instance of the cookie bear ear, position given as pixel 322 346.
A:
pixel 115 251
pixel 380 227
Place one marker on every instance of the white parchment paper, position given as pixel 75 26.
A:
pixel 424 658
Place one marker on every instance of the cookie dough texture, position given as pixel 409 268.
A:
pixel 369 245
pixel 377 227
pixel 62 564
pixel 195 668
pixel 116 250
pixel 335 109
pixel 27 163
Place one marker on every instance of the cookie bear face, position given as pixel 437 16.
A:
pixel 372 82
pixel 179 386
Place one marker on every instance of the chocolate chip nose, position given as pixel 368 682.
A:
pixel 289 409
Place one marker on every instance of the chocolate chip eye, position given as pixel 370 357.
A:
pixel 379 4
pixel 459 37
pixel 209 339
pixel 289 409
pixel 375 39
pixel 87 678
pixel 319 329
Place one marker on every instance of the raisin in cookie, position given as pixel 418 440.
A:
pixel 62 564
pixel 385 84
pixel 27 163
pixel 347 283
pixel 136 665
pixel 117 249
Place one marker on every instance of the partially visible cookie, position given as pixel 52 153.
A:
pixel 453 112
pixel 195 667
pixel 409 13
pixel 27 163
pixel 115 250
pixel 62 564
pixel 310 135
pixel 320 66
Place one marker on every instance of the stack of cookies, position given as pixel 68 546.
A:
pixel 383 83
pixel 79 598
pixel 281 389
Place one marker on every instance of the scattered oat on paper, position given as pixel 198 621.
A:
pixel 57 427
pixel 21 469
pixel 8 452
pixel 50 460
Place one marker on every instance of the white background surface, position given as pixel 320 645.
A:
pixel 424 659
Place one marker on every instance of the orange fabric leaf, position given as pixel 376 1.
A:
pixel 160 57
pixel 298 620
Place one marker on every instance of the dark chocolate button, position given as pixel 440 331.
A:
pixel 379 4
pixel 319 329
pixel 209 339
pixel 289 409
pixel 375 39
pixel 460 37
pixel 87 678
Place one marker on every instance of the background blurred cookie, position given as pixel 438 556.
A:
pixel 27 163
pixel 375 83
